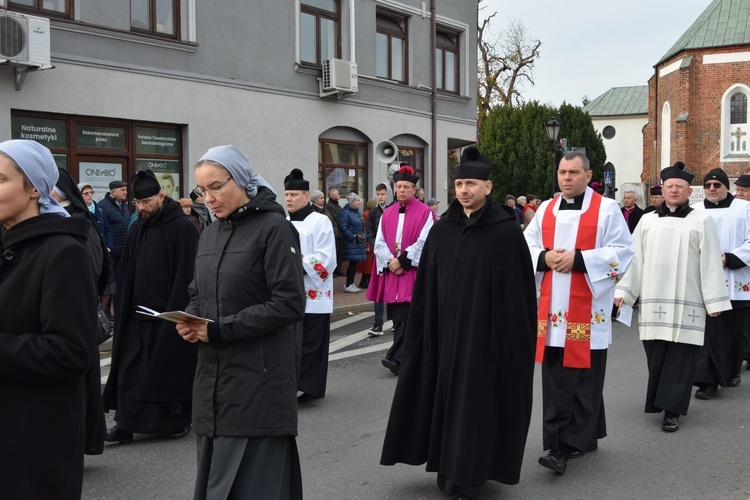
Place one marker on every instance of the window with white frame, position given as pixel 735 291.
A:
pixel 319 31
pixel 735 129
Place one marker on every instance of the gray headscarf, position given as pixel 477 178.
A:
pixel 39 166
pixel 239 168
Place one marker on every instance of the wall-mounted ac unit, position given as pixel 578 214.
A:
pixel 24 40
pixel 340 76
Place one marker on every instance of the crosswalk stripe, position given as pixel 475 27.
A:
pixel 363 350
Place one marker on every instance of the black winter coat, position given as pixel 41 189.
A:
pixel 47 344
pixel 248 279
pixel 464 392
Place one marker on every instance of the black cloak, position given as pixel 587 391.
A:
pixel 155 270
pixel 464 393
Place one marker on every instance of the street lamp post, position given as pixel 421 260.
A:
pixel 553 130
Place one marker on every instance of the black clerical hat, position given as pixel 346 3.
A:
pixel 406 173
pixel 473 165
pixel 145 185
pixel 677 172
pixel 295 181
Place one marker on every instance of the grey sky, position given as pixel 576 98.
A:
pixel 590 46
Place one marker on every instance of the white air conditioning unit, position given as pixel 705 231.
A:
pixel 24 40
pixel 340 76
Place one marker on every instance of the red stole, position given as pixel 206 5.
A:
pixel 578 331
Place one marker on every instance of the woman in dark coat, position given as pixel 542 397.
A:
pixel 354 247
pixel 248 282
pixel 47 334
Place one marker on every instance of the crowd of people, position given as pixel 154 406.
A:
pixel 250 283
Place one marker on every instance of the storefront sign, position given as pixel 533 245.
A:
pixel 156 140
pixel 50 133
pixel 166 171
pixel 93 136
pixel 98 175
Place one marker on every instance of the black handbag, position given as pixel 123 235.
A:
pixel 361 237
pixel 103 328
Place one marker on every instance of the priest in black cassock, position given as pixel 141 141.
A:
pixel 150 382
pixel 463 399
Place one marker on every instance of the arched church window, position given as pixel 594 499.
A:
pixel 738 108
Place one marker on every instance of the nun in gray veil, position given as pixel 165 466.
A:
pixel 248 282
pixel 47 334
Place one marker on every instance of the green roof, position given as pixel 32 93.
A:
pixel 724 23
pixel 620 101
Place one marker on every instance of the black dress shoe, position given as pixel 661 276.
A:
pixel 181 433
pixel 577 453
pixel 671 424
pixel 555 460
pixel 707 392
pixel 115 434
pixel 392 365
pixel 306 398
pixel 734 380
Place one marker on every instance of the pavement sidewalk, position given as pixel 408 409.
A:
pixel 344 302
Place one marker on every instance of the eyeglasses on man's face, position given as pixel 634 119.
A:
pixel 145 201
pixel 710 185
pixel 214 190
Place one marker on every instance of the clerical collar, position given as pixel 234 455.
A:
pixel 680 212
pixel 722 204
pixel 574 204
pixel 301 214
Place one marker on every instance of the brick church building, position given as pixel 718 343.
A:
pixel 698 97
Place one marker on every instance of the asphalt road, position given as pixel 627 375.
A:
pixel 340 439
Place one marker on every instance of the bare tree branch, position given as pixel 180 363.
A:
pixel 506 64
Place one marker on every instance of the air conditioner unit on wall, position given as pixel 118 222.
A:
pixel 340 76
pixel 24 40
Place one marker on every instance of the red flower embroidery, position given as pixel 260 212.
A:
pixel 324 275
pixel 318 267
pixel 554 318
pixel 745 288
pixel 312 294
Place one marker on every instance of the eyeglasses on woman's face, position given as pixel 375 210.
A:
pixel 214 190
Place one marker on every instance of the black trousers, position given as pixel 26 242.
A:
pixel 720 357
pixel 671 370
pixel 313 365
pixel 398 313
pixel 573 401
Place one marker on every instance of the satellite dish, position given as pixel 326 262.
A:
pixel 386 152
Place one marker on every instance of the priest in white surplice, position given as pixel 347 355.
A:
pixel 318 246
pixel 720 359
pixel 678 276
pixel 580 246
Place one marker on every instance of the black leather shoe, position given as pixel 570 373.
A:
pixel 577 453
pixel 734 380
pixel 555 460
pixel 115 434
pixel 306 398
pixel 181 433
pixel 671 424
pixel 707 392
pixel 392 365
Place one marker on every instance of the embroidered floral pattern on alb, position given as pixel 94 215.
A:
pixel 318 294
pixel 741 287
pixel 614 272
pixel 598 317
pixel 558 318
pixel 319 268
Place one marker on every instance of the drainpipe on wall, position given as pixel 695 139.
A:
pixel 352 33
pixel 433 149
pixel 657 170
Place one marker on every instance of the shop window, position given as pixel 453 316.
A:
pixel 342 165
